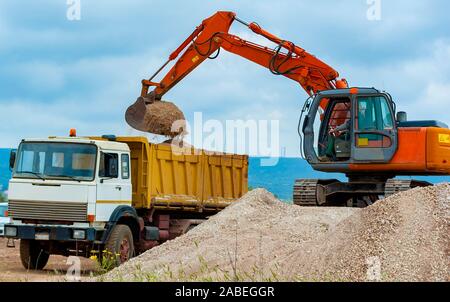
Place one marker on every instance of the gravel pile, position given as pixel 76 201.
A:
pixel 402 238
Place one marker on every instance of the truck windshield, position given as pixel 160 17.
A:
pixel 68 161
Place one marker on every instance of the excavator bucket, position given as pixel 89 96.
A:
pixel 155 116
pixel 135 114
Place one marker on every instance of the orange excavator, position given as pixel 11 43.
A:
pixel 350 130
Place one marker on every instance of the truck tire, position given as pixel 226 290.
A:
pixel 120 244
pixel 32 255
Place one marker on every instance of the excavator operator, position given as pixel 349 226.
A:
pixel 338 131
pixel 342 131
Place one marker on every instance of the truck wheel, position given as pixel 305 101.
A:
pixel 120 244
pixel 32 255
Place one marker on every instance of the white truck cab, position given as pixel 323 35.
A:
pixel 66 189
pixel 81 195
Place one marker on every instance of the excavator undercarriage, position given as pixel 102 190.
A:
pixel 358 192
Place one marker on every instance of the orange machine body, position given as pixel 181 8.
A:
pixel 421 151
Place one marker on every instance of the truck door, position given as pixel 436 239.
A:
pixel 374 129
pixel 125 177
pixel 112 189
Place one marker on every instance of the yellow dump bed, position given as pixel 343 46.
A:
pixel 190 180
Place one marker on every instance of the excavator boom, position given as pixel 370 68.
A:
pixel 205 42
pixel 295 63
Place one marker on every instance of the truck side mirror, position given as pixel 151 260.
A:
pixel 12 158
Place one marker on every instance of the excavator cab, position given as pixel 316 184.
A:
pixel 365 129
pixel 368 149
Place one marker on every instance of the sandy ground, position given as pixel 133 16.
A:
pixel 11 268
pixel 405 237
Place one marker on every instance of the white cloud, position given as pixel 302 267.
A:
pixel 38 76
pixel 432 103
pixel 419 85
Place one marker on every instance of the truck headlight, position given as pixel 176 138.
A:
pixel 79 234
pixel 10 231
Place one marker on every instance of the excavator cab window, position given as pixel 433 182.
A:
pixel 373 115
pixel 335 146
pixel 374 130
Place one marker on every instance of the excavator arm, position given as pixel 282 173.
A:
pixel 286 59
pixel 205 42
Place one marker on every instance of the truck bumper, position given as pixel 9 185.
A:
pixel 54 233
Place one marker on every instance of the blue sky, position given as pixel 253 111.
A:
pixel 57 74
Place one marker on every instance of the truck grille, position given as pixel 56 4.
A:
pixel 46 210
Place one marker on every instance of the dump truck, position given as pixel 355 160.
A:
pixel 123 195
